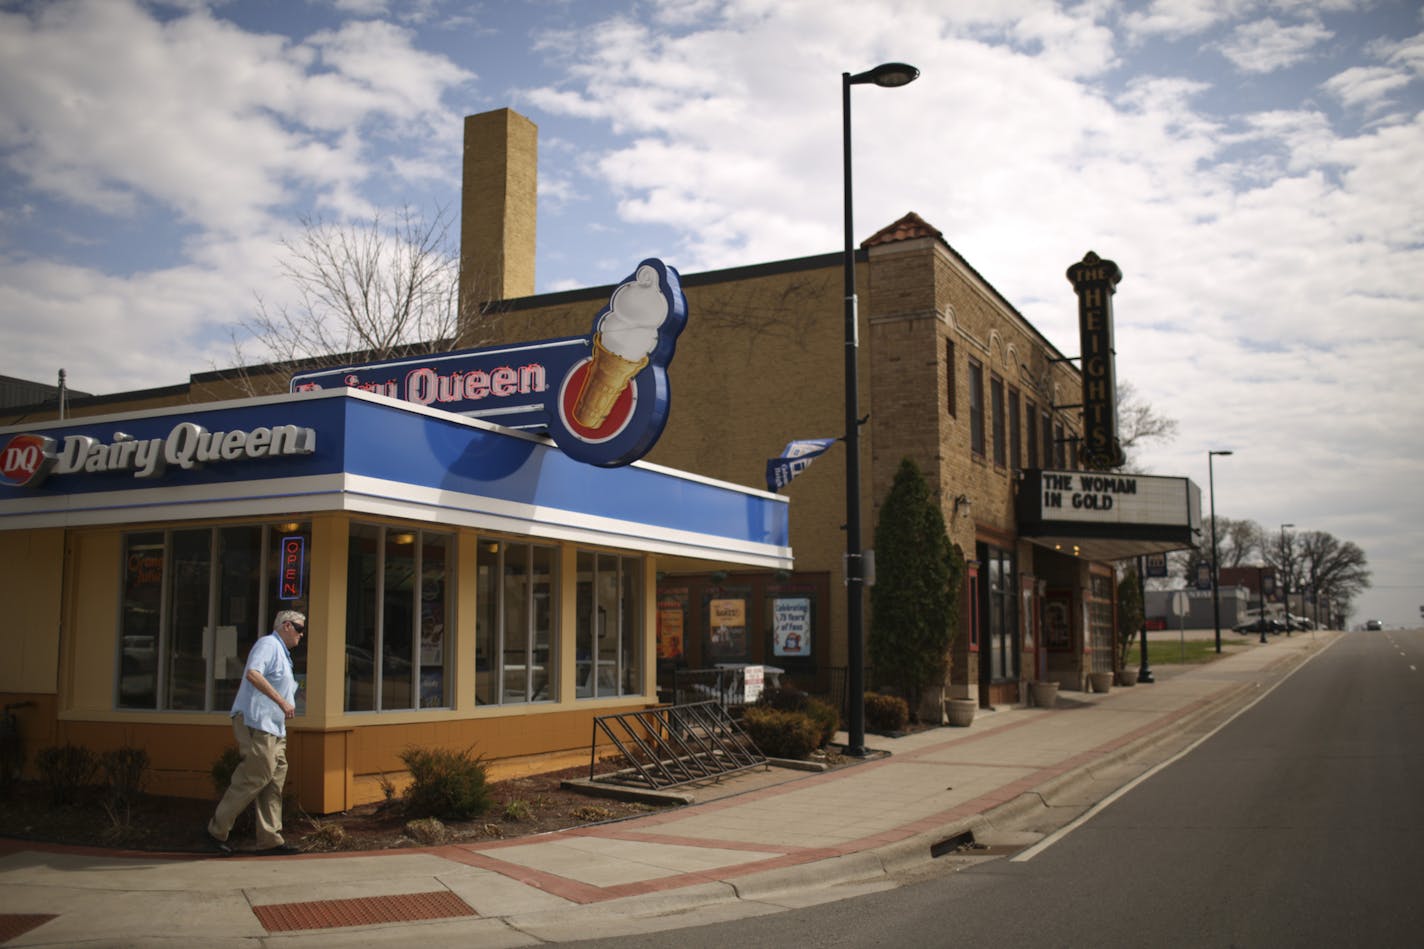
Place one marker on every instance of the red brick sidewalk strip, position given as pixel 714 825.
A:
pixel 362 911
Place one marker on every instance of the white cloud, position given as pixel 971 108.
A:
pixel 109 108
pixel 1367 87
pixel 1265 45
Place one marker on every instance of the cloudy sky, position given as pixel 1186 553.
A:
pixel 1256 167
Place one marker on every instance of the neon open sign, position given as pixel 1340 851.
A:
pixel 293 569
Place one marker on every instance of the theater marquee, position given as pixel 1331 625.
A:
pixel 1109 516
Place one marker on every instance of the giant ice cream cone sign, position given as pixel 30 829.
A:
pixel 612 406
pixel 626 333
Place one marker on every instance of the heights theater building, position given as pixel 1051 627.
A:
pixel 474 577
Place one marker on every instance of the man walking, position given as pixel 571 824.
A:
pixel 259 723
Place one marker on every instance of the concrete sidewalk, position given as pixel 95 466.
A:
pixel 791 839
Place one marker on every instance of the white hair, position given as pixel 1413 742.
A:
pixel 289 616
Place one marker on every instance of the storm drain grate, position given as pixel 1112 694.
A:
pixel 362 911
pixel 13 925
pixel 956 844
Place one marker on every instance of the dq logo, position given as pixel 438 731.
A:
pixel 26 459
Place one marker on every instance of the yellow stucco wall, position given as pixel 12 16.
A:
pixel 31 582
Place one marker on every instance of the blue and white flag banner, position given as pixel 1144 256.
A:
pixel 793 460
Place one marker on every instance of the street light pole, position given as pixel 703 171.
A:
pixel 1285 578
pixel 1261 589
pixel 889 75
pixel 1215 591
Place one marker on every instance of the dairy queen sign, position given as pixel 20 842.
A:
pixel 603 398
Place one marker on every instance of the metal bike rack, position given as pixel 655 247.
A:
pixel 672 745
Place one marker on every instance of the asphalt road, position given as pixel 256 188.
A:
pixel 1299 823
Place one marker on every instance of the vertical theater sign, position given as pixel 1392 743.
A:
pixel 1095 281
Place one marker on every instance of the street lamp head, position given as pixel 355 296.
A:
pixel 886 74
pixel 1227 451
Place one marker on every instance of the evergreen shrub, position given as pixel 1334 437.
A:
pixel 781 734
pixel 886 713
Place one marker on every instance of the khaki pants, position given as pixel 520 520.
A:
pixel 259 777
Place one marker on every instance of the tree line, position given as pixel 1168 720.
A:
pixel 1315 563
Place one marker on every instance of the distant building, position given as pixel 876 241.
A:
pixel 22 392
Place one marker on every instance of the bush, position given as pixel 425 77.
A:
pixel 125 772
pixel 450 785
pixel 64 770
pixel 788 699
pixel 781 734
pixel 914 605
pixel 886 713
pixel 827 719
pixel 783 698
pixel 223 768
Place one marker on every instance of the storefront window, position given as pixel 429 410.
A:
pixel 397 612
pixel 609 626
pixel 1100 623
pixel 194 602
pixel 999 649
pixel 514 633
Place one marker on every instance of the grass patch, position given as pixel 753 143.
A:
pixel 1168 652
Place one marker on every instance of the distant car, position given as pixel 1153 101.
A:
pixel 1301 622
pixel 1373 624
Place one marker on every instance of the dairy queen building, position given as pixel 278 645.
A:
pixel 497 545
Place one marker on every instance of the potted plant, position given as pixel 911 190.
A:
pixel 959 713
pixel 1045 694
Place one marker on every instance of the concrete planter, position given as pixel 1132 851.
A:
pixel 1100 681
pixel 1045 694
pixel 961 712
pixel 1127 676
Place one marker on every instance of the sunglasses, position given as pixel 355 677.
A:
pixel 299 627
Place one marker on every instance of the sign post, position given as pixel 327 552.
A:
pixel 1179 609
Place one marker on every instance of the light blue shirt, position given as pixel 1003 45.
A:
pixel 271 657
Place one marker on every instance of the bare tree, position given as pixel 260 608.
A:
pixel 1138 424
pixel 1236 542
pixel 1333 570
pixel 364 291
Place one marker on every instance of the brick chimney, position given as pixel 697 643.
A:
pixel 498 209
